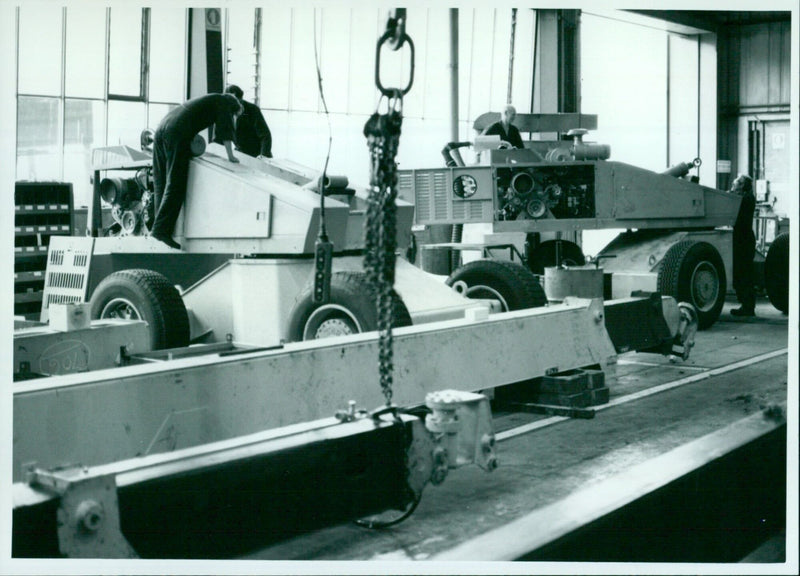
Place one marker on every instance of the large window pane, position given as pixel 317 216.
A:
pixel 126 120
pixel 167 53
pixel 631 108
pixel 364 32
pixel 83 131
pixel 38 122
pixel 334 46
pixel 349 153
pixel 306 144
pixel 156 113
pixel 85 58
pixel 480 63
pixel 40 49
pixel 498 81
pixel 304 92
pixel 241 51
pixel 275 40
pixel 125 66
pixel 683 103
pixel 433 80
pixel 523 60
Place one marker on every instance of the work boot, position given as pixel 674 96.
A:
pixel 167 240
pixel 742 311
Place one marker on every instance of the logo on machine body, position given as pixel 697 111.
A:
pixel 465 186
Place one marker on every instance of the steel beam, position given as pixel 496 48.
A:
pixel 226 498
pixel 112 415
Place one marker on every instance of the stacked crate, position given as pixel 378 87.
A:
pixel 42 210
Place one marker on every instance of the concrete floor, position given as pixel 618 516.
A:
pixel 547 464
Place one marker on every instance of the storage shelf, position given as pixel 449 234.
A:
pixel 35 209
pixel 26 297
pixel 41 210
pixel 47 229
pixel 29 276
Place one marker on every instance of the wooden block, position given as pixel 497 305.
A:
pixel 569 382
pixel 598 396
pixel 579 400
pixel 595 379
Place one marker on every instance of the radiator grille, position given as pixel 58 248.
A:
pixel 423 185
pixel 472 211
pixel 56 257
pixel 67 272
pixel 433 199
pixel 440 196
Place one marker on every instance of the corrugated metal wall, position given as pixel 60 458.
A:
pixel 764 63
pixel 754 77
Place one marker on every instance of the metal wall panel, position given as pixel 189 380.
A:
pixel 763 64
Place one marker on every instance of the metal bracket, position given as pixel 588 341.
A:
pixel 351 413
pixel 461 422
pixel 88 513
pixel 684 339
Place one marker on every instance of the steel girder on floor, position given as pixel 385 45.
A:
pixel 110 415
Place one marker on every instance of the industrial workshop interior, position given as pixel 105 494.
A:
pixel 439 288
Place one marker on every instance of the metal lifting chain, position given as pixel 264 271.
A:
pixel 383 138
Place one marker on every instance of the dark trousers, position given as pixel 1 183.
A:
pixel 744 250
pixel 171 155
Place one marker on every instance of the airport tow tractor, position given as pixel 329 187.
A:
pixel 677 237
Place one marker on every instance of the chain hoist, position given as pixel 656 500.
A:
pixel 382 131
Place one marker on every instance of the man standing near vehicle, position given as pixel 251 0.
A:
pixel 505 129
pixel 172 152
pixel 252 135
pixel 744 247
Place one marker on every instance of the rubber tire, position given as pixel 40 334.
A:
pixel 675 274
pixel 349 290
pixel 544 255
pixel 776 273
pixel 154 299
pixel 516 284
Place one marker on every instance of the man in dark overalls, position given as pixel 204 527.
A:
pixel 172 152
pixel 744 247
pixel 252 135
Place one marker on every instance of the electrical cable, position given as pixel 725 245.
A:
pixel 323 249
pixel 330 131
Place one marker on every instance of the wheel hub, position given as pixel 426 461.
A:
pixel 704 286
pixel 330 320
pixel 333 327
pixel 120 308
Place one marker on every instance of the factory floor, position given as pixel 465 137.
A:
pixel 737 368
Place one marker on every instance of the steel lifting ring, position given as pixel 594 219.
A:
pixel 397 41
